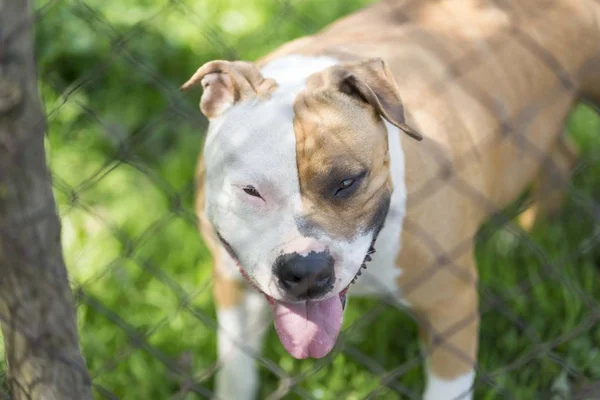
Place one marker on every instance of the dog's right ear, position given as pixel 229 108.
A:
pixel 227 82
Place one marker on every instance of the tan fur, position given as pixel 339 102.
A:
pixel 489 85
pixel 228 293
pixel 448 331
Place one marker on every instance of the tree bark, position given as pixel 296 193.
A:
pixel 37 312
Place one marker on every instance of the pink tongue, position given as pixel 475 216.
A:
pixel 308 329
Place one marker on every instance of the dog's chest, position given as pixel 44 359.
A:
pixel 381 276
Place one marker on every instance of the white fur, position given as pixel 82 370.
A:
pixel 381 276
pixel 253 143
pixel 291 71
pixel 240 337
pixel 237 374
pixel 455 389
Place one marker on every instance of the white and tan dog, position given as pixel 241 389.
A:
pixel 315 151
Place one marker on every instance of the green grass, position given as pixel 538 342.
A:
pixel 123 150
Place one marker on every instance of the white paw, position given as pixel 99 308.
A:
pixel 454 389
pixel 237 380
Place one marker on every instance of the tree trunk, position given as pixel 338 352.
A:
pixel 36 304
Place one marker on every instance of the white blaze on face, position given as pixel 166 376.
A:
pixel 253 143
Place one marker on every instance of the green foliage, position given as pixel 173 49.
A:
pixel 122 146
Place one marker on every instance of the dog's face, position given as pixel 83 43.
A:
pixel 298 185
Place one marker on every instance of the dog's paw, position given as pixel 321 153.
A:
pixel 459 388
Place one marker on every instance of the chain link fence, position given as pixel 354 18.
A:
pixel 122 145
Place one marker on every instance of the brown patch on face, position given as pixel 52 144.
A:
pixel 340 139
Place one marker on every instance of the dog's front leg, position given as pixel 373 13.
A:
pixel 449 336
pixel 242 315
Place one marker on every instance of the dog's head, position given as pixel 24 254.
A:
pixel 298 184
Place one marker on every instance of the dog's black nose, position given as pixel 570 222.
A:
pixel 305 277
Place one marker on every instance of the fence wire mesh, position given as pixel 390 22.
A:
pixel 122 146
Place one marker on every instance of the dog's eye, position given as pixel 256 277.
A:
pixel 251 190
pixel 345 184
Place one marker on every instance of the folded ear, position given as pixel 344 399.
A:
pixel 226 83
pixel 372 82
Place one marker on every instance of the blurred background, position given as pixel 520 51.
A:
pixel 122 144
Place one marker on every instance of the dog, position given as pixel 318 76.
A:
pixel 363 159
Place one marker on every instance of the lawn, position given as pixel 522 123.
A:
pixel 122 145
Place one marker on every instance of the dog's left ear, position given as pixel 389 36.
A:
pixel 373 82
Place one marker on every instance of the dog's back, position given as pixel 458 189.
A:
pixel 432 40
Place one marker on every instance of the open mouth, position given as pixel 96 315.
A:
pixel 309 328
